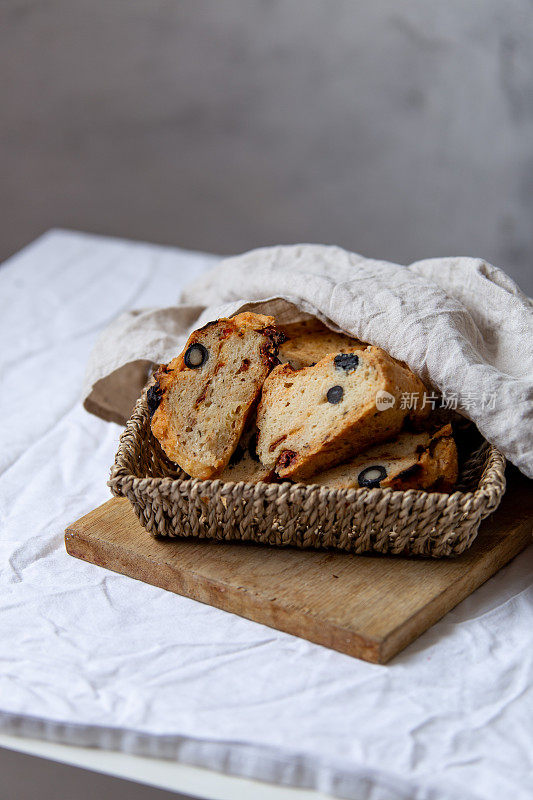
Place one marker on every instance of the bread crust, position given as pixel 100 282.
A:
pixel 301 433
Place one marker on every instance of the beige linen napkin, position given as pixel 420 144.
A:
pixel 461 324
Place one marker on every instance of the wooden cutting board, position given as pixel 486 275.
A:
pixel 370 607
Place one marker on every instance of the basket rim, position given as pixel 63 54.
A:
pixel 491 484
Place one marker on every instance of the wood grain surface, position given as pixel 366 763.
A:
pixel 370 607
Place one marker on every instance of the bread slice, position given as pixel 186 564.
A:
pixel 409 461
pixel 244 464
pixel 309 341
pixel 202 398
pixel 314 418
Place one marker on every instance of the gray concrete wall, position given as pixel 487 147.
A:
pixel 401 130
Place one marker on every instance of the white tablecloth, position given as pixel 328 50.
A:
pixel 91 657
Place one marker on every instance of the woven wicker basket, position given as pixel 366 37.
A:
pixel 170 503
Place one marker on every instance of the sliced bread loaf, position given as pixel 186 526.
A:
pixel 409 461
pixel 314 418
pixel 202 398
pixel 309 341
pixel 244 464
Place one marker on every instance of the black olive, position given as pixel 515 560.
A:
pixel 335 394
pixel 196 355
pixel 371 477
pixel 348 362
pixel 153 398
